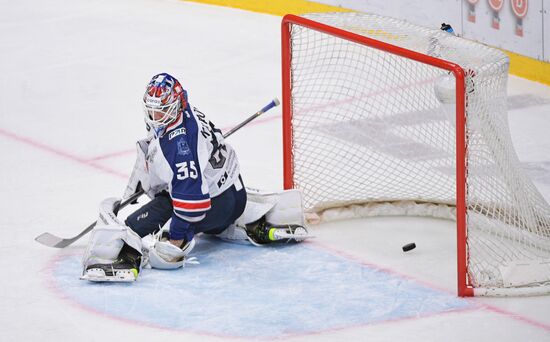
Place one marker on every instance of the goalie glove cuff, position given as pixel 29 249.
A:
pixel 166 256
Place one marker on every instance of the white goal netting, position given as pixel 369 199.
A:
pixel 371 127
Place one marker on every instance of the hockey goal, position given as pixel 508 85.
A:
pixel 384 117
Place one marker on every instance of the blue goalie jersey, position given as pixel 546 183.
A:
pixel 191 161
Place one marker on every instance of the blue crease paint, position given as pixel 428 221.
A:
pixel 245 291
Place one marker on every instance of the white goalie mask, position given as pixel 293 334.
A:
pixel 163 101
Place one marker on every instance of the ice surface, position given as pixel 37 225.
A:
pixel 245 291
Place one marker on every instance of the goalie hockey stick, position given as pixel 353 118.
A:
pixel 50 240
pixel 274 103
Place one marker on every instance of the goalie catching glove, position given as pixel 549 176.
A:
pixel 164 255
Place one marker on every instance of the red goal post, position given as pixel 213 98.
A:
pixel 359 36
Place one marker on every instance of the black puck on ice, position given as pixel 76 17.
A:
pixel 409 246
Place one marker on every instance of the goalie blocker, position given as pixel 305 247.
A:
pixel 116 253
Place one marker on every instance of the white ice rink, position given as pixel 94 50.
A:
pixel 71 77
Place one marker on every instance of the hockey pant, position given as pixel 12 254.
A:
pixel 224 211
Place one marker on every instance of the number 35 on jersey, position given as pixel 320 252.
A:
pixel 187 170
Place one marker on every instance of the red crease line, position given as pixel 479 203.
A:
pixel 60 153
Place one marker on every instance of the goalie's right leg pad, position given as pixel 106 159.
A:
pixel 124 269
pixel 113 254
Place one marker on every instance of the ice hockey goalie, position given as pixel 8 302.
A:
pixel 115 253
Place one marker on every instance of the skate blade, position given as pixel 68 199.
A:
pixel 121 276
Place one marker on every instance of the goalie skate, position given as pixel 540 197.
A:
pixel 124 269
pixel 261 232
pixel 110 273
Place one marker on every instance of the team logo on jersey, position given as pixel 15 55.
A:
pixel 176 132
pixel 183 148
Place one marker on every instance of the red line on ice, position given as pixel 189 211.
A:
pixel 112 155
pixel 60 153
pixel 126 152
pixel 474 301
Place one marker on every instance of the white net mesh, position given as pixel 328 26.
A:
pixel 371 126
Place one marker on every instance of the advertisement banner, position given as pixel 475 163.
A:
pixel 428 13
pixel 513 25
pixel 546 34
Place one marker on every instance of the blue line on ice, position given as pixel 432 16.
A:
pixel 245 291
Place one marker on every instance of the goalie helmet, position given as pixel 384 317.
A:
pixel 163 101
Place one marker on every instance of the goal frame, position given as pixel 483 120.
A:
pixel 464 287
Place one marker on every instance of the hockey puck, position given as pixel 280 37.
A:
pixel 409 246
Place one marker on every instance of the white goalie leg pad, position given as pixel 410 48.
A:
pixel 104 248
pixel 105 244
pixel 106 212
pixel 283 210
pixel 102 261
pixel 283 207
pixel 233 233
pixel 256 207
pixel 288 209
